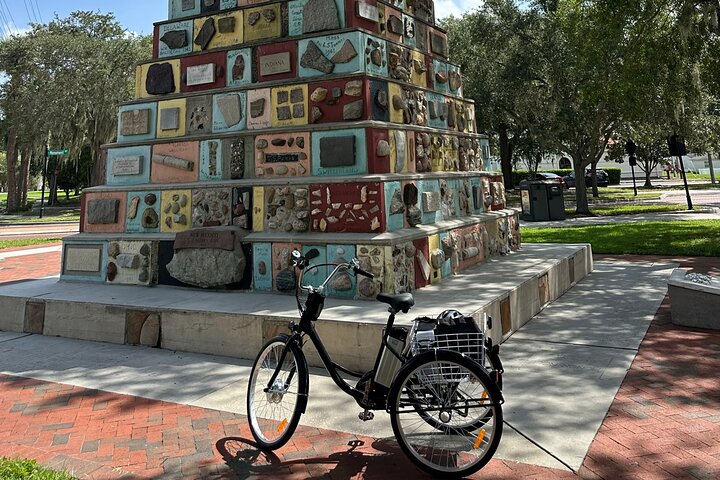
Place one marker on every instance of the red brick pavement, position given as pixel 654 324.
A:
pixel 664 423
pixel 29 266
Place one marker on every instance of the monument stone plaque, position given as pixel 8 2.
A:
pixel 368 12
pixel 170 118
pixel 202 238
pixel 337 151
pixel 82 259
pixel 200 74
pixel 127 165
pixel 275 63
pixel 135 122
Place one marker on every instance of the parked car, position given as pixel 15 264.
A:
pixel 603 180
pixel 547 176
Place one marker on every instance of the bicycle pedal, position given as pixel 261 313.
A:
pixel 366 416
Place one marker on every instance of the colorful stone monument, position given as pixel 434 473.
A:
pixel 261 127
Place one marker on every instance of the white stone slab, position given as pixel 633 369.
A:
pixel 275 63
pixel 200 74
pixel 127 165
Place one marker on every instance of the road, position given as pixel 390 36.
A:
pixel 45 230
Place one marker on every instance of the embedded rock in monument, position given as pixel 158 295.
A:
pixel 128 260
pixel 238 69
pixel 133 207
pixel 160 79
pixel 210 207
pixel 337 151
pixel 149 218
pixel 175 39
pixel 174 162
pixel 383 148
pixel 135 122
pixel 253 18
pixel 298 110
pixel 269 15
pixel 103 211
pixel 414 216
pixel 342 282
pixel 208 257
pixel 150 331
pixel 437 258
pixel 441 78
pixel 285 280
pixel 454 79
pixel 315 59
pixel 319 15
pixel 113 249
pixel 353 111
pixel 396 203
pixel 226 25
pixel 206 34
pixel 284 113
pixel 169 119
pixel 257 108
pixel 230 108
pixel 431 201
pixel 319 94
pixel 315 114
pixel 199 114
pixel 353 88
pixel 346 53
pixel 395 25
pixel 111 271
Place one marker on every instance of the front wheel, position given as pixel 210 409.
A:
pixel 465 405
pixel 274 409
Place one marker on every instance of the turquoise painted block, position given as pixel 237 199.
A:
pixel 295 15
pixel 393 221
pixel 175 8
pixel 371 41
pixel 409 22
pixel 211 162
pixel 446 266
pixel 262 254
pixel 315 276
pixel 439 104
pixel 429 218
pixel 337 254
pixel 134 225
pixel 222 124
pixel 120 161
pixel 164 50
pixel 234 77
pixel 441 67
pixel 85 277
pixel 329 45
pixel 476 183
pixel 485 147
pixel 227 4
pixel 360 165
pixel 151 126
pixel 455 186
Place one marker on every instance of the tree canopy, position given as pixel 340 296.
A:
pixel 567 76
pixel 65 80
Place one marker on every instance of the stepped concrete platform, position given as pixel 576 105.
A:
pixel 511 289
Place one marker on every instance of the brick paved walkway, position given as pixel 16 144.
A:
pixel 664 423
pixel 29 266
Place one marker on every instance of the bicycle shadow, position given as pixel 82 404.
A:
pixel 380 460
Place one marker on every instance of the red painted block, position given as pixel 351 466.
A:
pixel 277 61
pixel 347 207
pixel 335 100
pixel 156 40
pixel 420 279
pixel 219 59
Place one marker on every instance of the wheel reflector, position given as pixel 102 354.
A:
pixel 479 440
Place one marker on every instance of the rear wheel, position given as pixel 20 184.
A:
pixel 464 405
pixel 274 411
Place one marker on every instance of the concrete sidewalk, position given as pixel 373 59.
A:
pixel 563 370
pixel 699 213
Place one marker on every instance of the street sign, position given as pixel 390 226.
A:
pixel 57 152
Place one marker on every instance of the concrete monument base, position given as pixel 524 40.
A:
pixel 511 289
pixel 694 299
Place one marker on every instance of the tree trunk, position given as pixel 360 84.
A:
pixel 506 158
pixel 24 177
pixel 648 183
pixel 581 200
pixel 12 206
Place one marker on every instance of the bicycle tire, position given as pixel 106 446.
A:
pixel 274 415
pixel 457 449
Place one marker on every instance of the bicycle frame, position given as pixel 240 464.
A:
pixel 306 327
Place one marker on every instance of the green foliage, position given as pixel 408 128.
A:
pixel 672 237
pixel 28 469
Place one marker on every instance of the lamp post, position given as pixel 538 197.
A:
pixel 677 149
pixel 631 148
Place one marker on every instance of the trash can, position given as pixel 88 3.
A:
pixel 542 201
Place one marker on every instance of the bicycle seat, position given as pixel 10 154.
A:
pixel 400 302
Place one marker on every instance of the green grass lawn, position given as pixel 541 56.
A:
pixel 24 242
pixel 610 210
pixel 681 237
pixel 32 217
pixel 29 469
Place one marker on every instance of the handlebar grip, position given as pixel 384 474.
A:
pixel 360 271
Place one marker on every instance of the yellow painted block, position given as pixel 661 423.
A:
pixel 396 116
pixel 220 40
pixel 175 211
pixel 261 28
pixel 297 111
pixel 170 104
pixel 258 209
pixel 141 76
pixel 419 79
pixel 434 244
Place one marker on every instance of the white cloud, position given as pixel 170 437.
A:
pixel 445 8
pixel 12 30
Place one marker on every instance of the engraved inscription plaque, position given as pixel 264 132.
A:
pixel 200 74
pixel 82 259
pixel 367 11
pixel 127 165
pixel 135 122
pixel 202 238
pixel 275 63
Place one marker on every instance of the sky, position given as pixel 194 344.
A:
pixel 136 15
